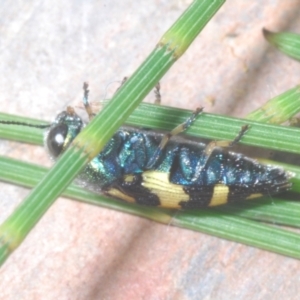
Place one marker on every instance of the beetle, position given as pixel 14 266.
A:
pixel 149 168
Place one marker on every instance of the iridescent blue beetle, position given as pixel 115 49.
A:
pixel 145 167
pixel 148 168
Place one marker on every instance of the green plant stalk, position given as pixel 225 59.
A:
pixel 255 234
pixel 214 126
pixel 286 42
pixel 225 221
pixel 209 126
pixel 14 229
pixel 88 144
pixel 277 211
pixel 279 109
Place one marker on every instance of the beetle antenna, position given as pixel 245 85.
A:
pixel 24 124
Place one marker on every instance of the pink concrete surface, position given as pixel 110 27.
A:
pixel 78 251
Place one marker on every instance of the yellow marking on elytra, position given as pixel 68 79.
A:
pixel 169 194
pixel 220 195
pixel 118 194
pixel 128 178
pixel 254 196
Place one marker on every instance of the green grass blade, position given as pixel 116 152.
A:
pixel 93 138
pixel 242 231
pixel 209 126
pixel 279 109
pixel 286 42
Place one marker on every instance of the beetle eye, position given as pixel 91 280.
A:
pixel 56 139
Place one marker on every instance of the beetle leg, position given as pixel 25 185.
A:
pixel 213 146
pixel 178 129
